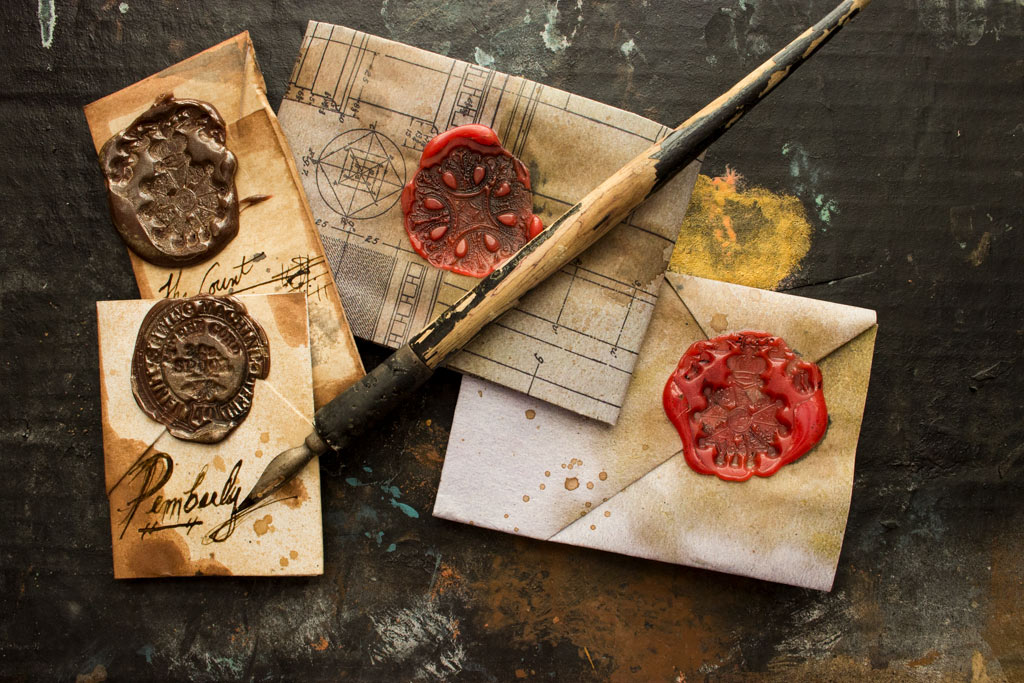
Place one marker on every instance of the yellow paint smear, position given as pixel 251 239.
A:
pixel 746 235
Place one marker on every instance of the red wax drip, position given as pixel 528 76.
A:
pixel 745 404
pixel 469 207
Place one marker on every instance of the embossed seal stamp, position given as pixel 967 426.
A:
pixel 745 404
pixel 469 206
pixel 171 183
pixel 195 364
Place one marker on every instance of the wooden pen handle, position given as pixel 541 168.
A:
pixel 612 200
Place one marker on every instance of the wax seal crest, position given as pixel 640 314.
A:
pixel 745 404
pixel 195 364
pixel 171 183
pixel 469 206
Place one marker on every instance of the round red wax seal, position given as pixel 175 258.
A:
pixel 469 206
pixel 745 404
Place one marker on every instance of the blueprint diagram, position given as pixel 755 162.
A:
pixel 359 110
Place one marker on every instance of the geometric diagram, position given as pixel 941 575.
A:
pixel 360 173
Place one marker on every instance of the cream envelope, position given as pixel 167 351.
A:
pixel 277 248
pixel 185 525
pixel 518 465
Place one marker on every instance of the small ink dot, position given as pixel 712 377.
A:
pixel 590 484
pixel 542 487
pixel 602 476
pixel 572 483
pixel 547 473
pixel 607 513
pixel 593 526
pixel 506 515
pixel 530 414
pixel 526 499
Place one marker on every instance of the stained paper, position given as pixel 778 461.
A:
pixel 358 112
pixel 519 465
pixel 187 526
pixel 277 248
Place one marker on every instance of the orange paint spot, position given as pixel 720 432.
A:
pixel 320 645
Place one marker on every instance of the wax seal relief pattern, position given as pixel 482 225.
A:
pixel 469 206
pixel 745 404
pixel 195 364
pixel 171 183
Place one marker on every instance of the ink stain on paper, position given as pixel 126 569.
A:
pixel 262 526
pixel 530 414
pixel 747 235
pixel 572 483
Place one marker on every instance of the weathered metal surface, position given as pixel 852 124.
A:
pixel 910 194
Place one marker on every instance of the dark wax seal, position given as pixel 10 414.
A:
pixel 469 206
pixel 195 364
pixel 171 183
pixel 745 404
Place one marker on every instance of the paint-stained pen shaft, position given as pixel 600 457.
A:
pixel 376 394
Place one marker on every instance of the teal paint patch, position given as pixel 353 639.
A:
pixel 390 548
pixel 826 208
pixel 352 481
pixel 146 651
pixel 228 663
pixel 407 509
pixel 47 21
pixel 368 470
pixel 807 180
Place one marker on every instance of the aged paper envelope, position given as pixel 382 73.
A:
pixel 175 529
pixel 277 248
pixel 517 465
pixel 359 110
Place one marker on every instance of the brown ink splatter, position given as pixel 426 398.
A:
pixel 572 483
pixel 262 526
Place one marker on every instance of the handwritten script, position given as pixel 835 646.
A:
pixel 298 274
pixel 194 506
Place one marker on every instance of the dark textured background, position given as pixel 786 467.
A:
pixel 910 121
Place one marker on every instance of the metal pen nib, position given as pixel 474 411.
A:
pixel 282 468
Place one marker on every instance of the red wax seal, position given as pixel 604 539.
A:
pixel 745 404
pixel 469 206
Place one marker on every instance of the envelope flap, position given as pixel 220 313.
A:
pixel 811 327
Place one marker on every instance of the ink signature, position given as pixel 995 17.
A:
pixel 148 476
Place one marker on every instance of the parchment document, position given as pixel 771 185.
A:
pixel 357 113
pixel 173 502
pixel 277 248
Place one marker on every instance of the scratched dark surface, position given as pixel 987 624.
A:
pixel 909 123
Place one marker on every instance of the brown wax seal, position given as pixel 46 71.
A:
pixel 195 363
pixel 171 183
